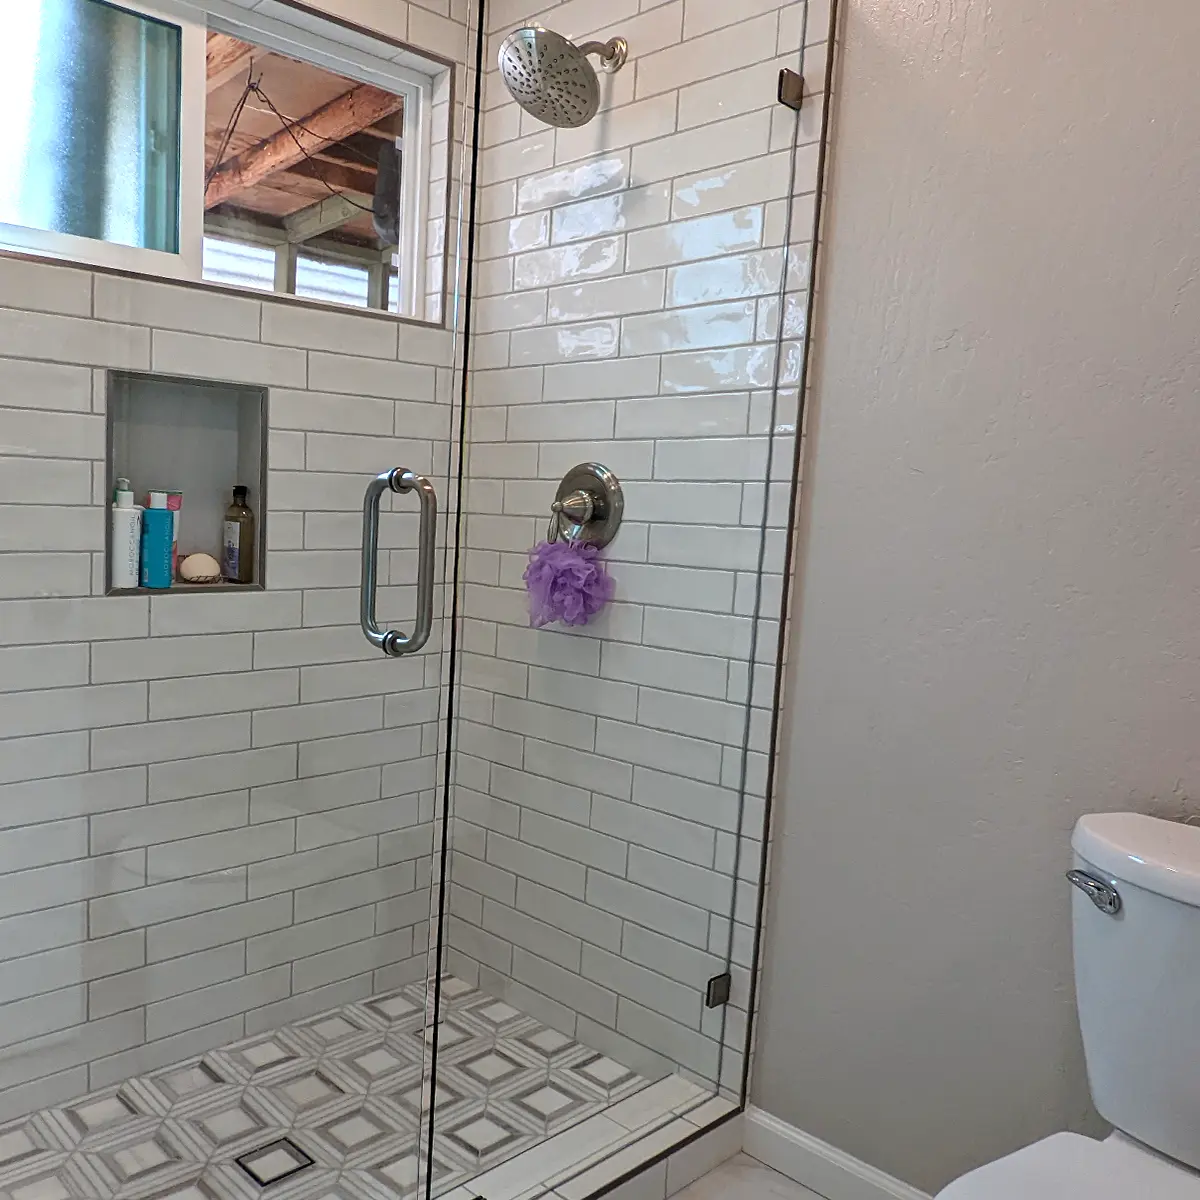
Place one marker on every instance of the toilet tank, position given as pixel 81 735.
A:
pixel 1137 977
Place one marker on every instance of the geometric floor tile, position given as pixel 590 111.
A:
pixel 546 1043
pixel 16 1145
pixel 394 1008
pixel 496 1017
pixel 331 1107
pixel 93 1115
pixel 549 1102
pixel 49 1187
pixel 492 1067
pixel 262 1054
pixel 482 1136
pixel 374 1067
pixel 230 1123
pixel 455 989
pixel 355 1131
pixel 188 1079
pixel 601 1073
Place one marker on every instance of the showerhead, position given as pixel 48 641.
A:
pixel 551 78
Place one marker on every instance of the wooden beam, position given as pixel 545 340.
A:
pixel 243 229
pixel 358 148
pixel 338 175
pixel 350 112
pixel 325 247
pixel 331 213
pixel 227 58
pixel 285 270
pixel 378 277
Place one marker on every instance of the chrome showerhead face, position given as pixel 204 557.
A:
pixel 549 77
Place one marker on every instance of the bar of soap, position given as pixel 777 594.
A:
pixel 200 568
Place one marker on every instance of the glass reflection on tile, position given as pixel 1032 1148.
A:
pixel 572 183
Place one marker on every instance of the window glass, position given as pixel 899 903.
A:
pixel 243 264
pixel 237 264
pixel 339 283
pixel 309 165
pixel 91 96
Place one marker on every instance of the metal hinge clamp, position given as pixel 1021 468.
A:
pixel 791 89
pixel 717 991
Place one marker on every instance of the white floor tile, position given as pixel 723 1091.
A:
pixel 744 1178
pixel 667 1095
pixel 311 1075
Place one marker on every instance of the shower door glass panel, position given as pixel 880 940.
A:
pixel 639 305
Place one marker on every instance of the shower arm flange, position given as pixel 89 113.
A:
pixel 612 53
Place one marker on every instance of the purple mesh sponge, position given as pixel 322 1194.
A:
pixel 567 582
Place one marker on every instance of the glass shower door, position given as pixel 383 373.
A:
pixel 639 308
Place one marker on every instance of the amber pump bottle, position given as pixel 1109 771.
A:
pixel 237 542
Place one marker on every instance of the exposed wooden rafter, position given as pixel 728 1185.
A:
pixel 331 213
pixel 338 175
pixel 349 113
pixel 243 229
pixel 227 57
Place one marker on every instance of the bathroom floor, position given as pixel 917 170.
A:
pixel 744 1178
pixel 330 1108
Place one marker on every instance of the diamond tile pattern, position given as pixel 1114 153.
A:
pixel 348 1088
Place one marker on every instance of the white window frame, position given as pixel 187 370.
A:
pixel 97 252
pixel 309 38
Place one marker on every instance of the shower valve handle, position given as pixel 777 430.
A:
pixel 578 508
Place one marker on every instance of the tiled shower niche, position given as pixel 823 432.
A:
pixel 200 437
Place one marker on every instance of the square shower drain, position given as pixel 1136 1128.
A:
pixel 274 1162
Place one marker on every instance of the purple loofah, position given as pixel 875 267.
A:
pixel 567 582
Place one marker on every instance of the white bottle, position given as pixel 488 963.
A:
pixel 126 537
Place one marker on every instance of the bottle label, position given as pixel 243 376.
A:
pixel 232 543
pixel 126 547
pixel 156 548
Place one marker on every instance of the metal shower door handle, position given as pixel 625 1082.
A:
pixel 392 641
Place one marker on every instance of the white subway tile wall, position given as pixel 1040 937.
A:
pixel 213 809
pixel 628 312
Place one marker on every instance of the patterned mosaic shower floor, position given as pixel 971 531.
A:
pixel 328 1108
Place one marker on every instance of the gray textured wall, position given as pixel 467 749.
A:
pixel 997 617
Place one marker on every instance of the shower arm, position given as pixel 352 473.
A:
pixel 612 53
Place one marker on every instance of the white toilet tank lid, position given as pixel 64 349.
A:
pixel 1160 856
pixel 1067 1166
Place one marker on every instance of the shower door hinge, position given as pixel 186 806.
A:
pixel 791 89
pixel 717 992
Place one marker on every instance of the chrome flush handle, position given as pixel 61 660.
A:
pixel 1105 897
pixel 392 641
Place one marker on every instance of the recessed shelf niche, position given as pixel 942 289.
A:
pixel 195 436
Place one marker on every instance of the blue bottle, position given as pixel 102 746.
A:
pixel 158 532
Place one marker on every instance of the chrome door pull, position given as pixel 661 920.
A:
pixel 391 641
pixel 1106 898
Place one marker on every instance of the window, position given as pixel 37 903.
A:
pixel 97 135
pixel 241 264
pixel 170 140
pixel 308 163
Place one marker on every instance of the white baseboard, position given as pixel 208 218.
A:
pixel 815 1164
